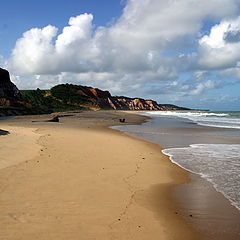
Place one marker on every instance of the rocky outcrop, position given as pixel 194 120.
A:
pixel 12 102
pixel 9 93
pixel 100 99
pixel 93 92
pixel 125 103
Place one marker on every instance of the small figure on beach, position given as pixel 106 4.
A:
pixel 122 120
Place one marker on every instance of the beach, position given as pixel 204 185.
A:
pixel 211 156
pixel 78 179
pixel 120 120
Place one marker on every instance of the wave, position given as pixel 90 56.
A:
pixel 179 114
pixel 217 163
pixel 211 119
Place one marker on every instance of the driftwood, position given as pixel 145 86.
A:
pixel 54 119
pixel 3 132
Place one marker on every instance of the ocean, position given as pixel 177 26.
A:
pixel 204 143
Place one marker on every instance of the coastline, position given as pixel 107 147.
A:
pixel 211 213
pixel 113 198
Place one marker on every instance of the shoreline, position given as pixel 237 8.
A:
pixel 223 226
pixel 152 199
pixel 212 213
pixel 197 175
pixel 51 199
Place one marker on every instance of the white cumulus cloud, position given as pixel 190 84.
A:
pixel 142 47
pixel 221 48
pixel 34 51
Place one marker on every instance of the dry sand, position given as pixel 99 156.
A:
pixel 80 180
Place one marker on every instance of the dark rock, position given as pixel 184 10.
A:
pixel 3 132
pixel 4 76
pixel 10 97
pixel 122 120
pixel 9 93
pixel 54 119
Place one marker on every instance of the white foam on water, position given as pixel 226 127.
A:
pixel 218 163
pixel 180 114
pixel 211 119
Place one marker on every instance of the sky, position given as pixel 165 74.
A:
pixel 184 52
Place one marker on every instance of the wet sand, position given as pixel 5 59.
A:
pixel 197 201
pixel 211 213
pixel 77 179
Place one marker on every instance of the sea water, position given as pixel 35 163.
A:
pixel 211 119
pixel 218 163
pixel 205 143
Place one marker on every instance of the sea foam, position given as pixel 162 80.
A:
pixel 218 163
pixel 211 119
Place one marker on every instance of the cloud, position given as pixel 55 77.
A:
pixel 146 27
pixel 232 36
pixel 142 51
pixel 201 87
pixel 34 51
pixel 221 48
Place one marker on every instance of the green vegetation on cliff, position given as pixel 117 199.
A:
pixel 43 102
pixel 67 97
pixel 68 94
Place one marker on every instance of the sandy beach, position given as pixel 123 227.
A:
pixel 77 179
pixel 210 211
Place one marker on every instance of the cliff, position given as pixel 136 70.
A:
pixel 11 100
pixel 95 98
pixel 66 97
pixel 9 93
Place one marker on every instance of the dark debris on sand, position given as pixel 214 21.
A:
pixel 3 132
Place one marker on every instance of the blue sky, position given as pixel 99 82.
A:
pixel 16 17
pixel 184 52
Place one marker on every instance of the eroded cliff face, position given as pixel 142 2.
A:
pixel 104 100
pixel 100 99
pixel 93 92
pixel 125 103
pixel 96 99
pixel 13 103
